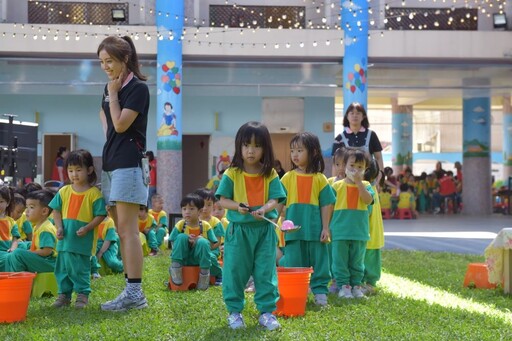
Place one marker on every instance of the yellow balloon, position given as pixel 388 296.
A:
pixel 347 85
pixel 170 64
pixel 357 67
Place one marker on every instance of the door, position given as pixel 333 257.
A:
pixel 51 144
pixel 281 144
pixel 195 162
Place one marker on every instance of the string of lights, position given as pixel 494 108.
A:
pixel 209 36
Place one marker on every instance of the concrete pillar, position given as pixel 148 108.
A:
pixel 354 21
pixel 507 138
pixel 476 165
pixel 401 141
pixel 169 20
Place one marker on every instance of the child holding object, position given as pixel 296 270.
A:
pixel 350 225
pixel 250 242
pixel 309 203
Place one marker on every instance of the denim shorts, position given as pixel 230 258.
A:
pixel 125 185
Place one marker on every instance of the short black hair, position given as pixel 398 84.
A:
pixel 404 187
pixel 143 208
pixel 205 193
pixel 42 196
pixel 193 199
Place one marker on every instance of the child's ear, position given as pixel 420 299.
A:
pixel 46 211
pixel 90 170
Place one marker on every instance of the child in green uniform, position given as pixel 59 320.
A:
pixel 192 241
pixel 157 211
pixel 350 225
pixel 107 248
pixel 42 253
pixel 309 203
pixel 250 242
pixel 206 215
pixel 148 226
pixel 78 209
pixel 9 234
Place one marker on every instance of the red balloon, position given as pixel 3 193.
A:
pixel 361 72
pixel 176 90
pixel 165 68
pixel 352 88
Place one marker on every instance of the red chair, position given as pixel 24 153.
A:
pixel 403 213
pixel 477 276
pixel 386 213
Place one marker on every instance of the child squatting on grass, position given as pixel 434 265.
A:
pixel 309 203
pixel 42 253
pixel 350 225
pixel 78 209
pixel 250 189
pixel 192 242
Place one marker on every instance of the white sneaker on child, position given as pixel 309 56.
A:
pixel 321 299
pixel 368 289
pixel 357 292
pixel 345 292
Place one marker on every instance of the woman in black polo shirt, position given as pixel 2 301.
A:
pixel 356 133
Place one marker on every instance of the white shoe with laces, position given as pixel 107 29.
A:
pixel 345 292
pixel 357 292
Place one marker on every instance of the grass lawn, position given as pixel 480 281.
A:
pixel 420 298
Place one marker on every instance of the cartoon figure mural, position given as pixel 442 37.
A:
pixel 170 88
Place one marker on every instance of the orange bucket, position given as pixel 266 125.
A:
pixel 293 284
pixel 15 288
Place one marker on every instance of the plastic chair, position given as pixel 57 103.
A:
pixel 386 213
pixel 477 276
pixel 404 213
pixel 44 283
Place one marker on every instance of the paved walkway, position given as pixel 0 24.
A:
pixel 449 233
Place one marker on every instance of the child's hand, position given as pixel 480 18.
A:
pixel 325 236
pixel 243 208
pixel 60 233
pixel 82 231
pixel 258 214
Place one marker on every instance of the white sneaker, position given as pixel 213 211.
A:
pixel 345 292
pixel 321 299
pixel 96 275
pixel 357 292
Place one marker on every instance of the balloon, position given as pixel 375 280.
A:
pixel 357 76
pixel 172 84
pixel 176 90
pixel 363 79
pixel 357 67
pixel 170 64
pixel 350 76
pixel 178 76
pixel 347 85
pixel 167 87
pixel 175 70
pixel 361 87
pixel 363 61
pixel 178 82
pixel 165 68
pixel 352 89
pixel 165 79
pixel 171 75
pixel 357 82
pixel 361 72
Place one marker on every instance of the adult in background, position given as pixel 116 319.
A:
pixel 152 176
pixel 124 116
pixel 58 173
pixel 356 133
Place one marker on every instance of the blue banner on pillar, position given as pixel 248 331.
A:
pixel 169 74
pixel 476 126
pixel 401 139
pixel 354 20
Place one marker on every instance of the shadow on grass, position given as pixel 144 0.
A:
pixel 444 271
